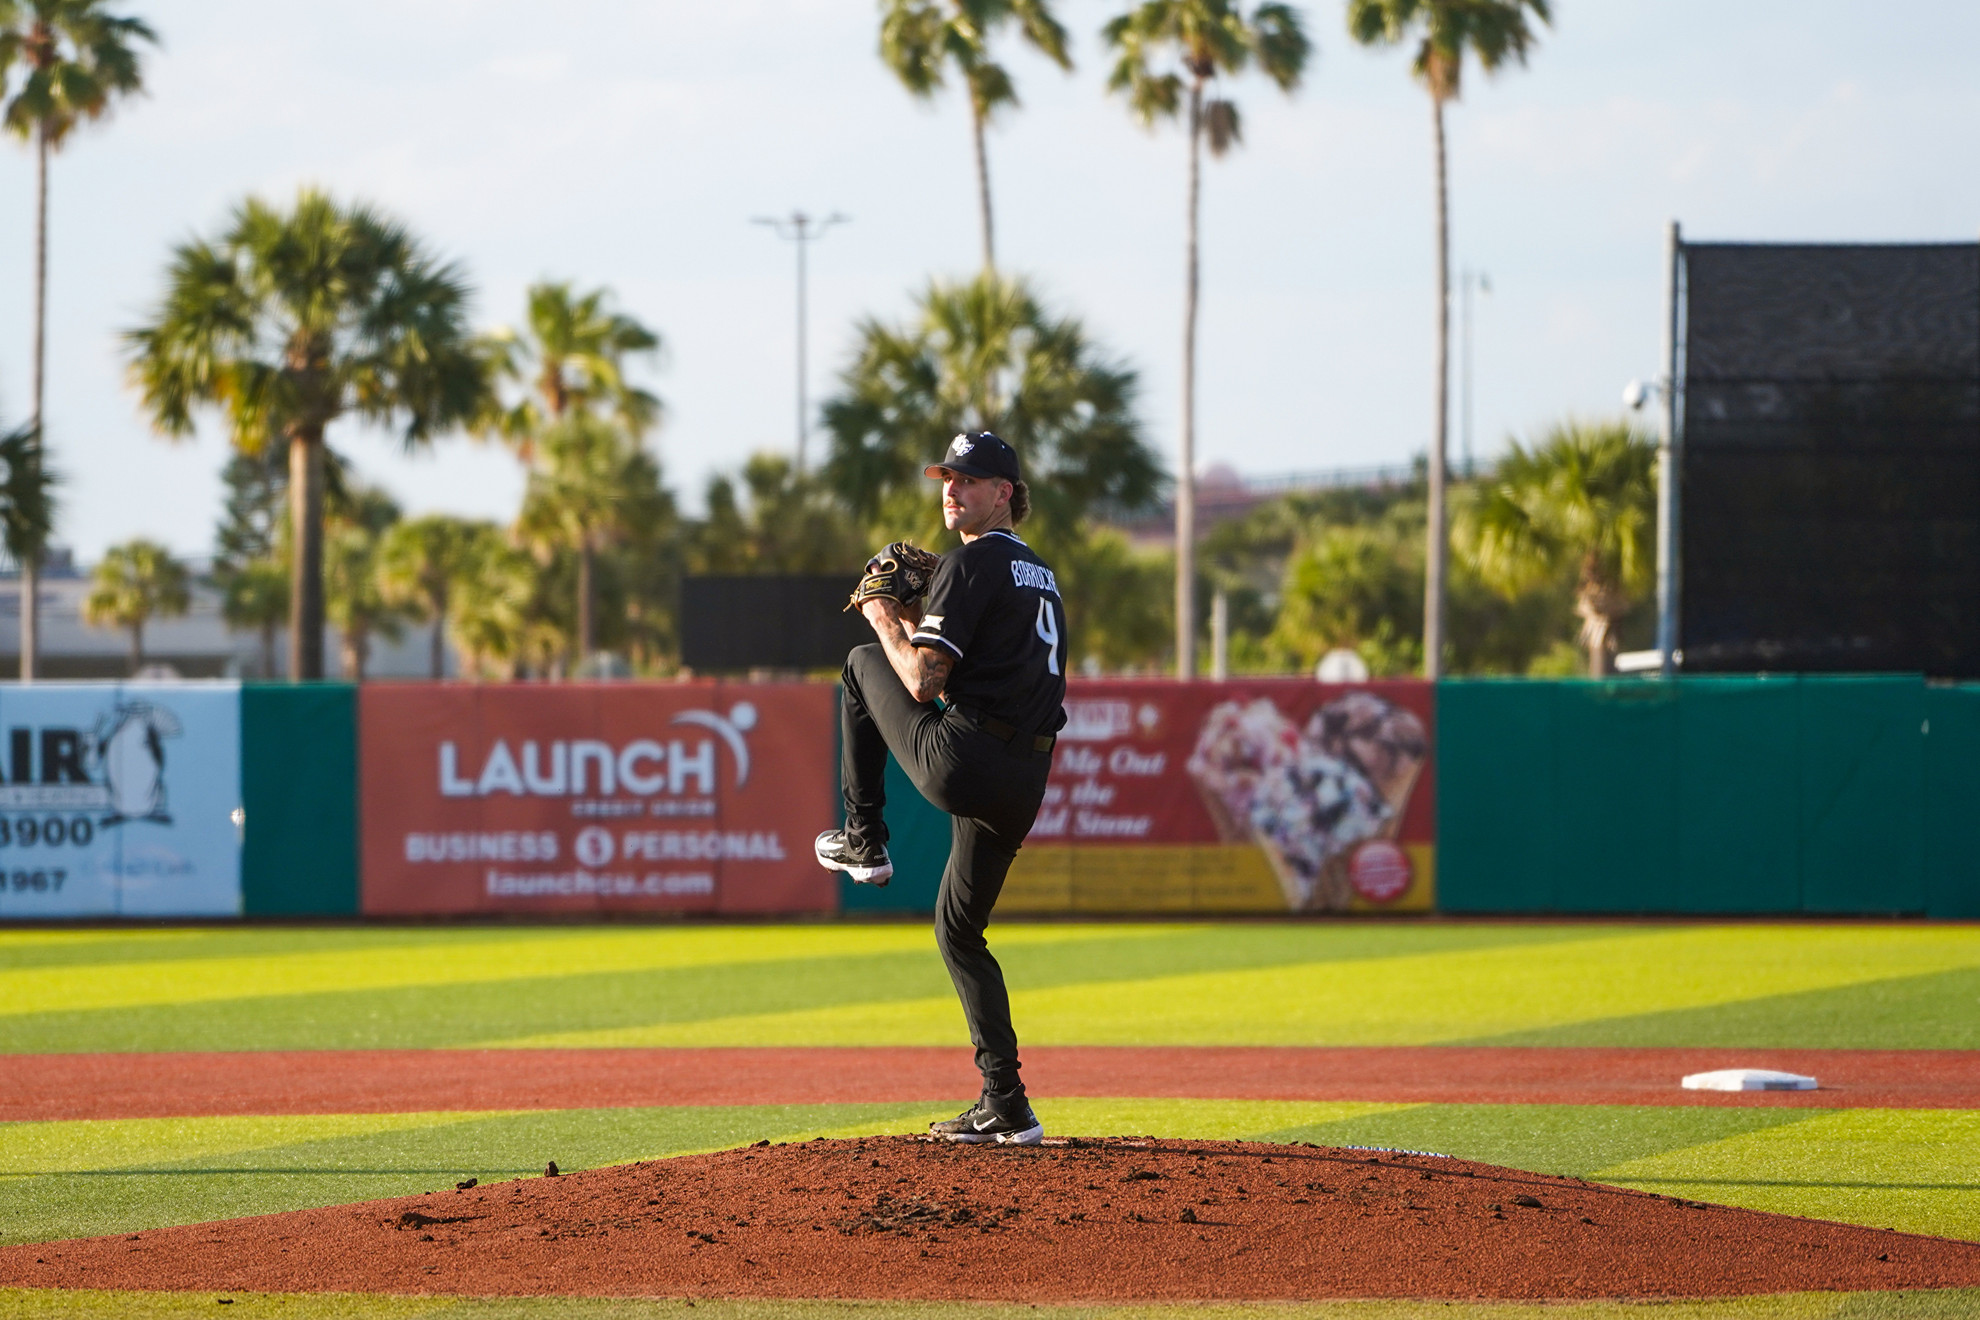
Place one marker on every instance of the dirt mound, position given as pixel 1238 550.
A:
pixel 1120 1219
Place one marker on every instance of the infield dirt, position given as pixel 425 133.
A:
pixel 1074 1220
pixel 56 1087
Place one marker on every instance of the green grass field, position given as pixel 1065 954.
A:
pixel 1813 986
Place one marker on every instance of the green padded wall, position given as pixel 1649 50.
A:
pixel 299 773
pixel 1495 783
pixel 1738 796
pixel 1709 795
pixel 1952 800
pixel 918 842
pixel 1862 794
pixel 1615 746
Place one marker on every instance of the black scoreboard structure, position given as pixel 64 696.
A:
pixel 782 623
pixel 1825 423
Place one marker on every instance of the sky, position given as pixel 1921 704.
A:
pixel 629 143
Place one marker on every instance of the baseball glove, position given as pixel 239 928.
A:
pixel 901 572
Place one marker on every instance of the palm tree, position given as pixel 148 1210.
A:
pixel 256 595
pixel 354 600
pixel 291 321
pixel 793 524
pixel 1582 501
pixel 1208 39
pixel 27 506
pixel 1494 31
pixel 920 38
pixel 574 501
pixel 136 582
pixel 1349 586
pixel 489 611
pixel 571 358
pixel 987 355
pixel 78 58
pixel 419 562
pixel 252 524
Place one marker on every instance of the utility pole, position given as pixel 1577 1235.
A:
pixel 802 230
pixel 1465 283
pixel 1670 450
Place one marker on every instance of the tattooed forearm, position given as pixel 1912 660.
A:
pixel 923 670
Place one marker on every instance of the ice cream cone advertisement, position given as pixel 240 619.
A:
pixel 1270 794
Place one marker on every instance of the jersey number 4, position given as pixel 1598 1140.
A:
pixel 1048 631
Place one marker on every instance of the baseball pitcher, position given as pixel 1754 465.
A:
pixel 968 692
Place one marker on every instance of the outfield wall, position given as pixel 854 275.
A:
pixel 120 800
pixel 1776 795
pixel 1257 796
pixel 593 798
pixel 1818 795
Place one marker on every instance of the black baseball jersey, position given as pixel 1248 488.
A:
pixel 995 606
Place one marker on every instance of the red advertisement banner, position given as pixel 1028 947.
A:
pixel 572 798
pixel 1331 786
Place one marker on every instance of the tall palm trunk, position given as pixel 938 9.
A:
pixel 437 646
pixel 1186 445
pixel 585 620
pixel 1597 602
pixel 982 184
pixel 306 564
pixel 357 649
pixel 137 647
pixel 31 561
pixel 1437 532
pixel 1595 637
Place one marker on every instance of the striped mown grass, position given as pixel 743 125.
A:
pixel 1835 986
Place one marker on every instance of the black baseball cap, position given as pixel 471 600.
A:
pixel 978 454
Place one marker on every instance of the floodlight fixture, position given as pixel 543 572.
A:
pixel 800 230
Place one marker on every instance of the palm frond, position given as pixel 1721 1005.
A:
pixel 1205 39
pixel 990 87
pixel 27 495
pixel 1280 42
pixel 1221 126
pixel 89 59
pixel 1042 30
pixel 1446 31
pixel 911 44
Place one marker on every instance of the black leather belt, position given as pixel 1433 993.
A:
pixel 1004 731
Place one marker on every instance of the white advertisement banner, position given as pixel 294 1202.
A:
pixel 120 800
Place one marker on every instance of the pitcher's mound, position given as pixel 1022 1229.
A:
pixel 1074 1220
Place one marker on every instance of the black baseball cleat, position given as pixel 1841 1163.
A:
pixel 867 863
pixel 980 1123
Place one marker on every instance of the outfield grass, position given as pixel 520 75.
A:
pixel 1952 1304
pixel 1815 986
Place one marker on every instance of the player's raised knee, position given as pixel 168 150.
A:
pixel 861 660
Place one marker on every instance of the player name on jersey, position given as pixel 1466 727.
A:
pixel 1036 576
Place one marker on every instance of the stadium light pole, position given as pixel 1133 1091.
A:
pixel 1668 441
pixel 800 230
pixel 1669 394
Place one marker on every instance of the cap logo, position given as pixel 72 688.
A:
pixel 962 446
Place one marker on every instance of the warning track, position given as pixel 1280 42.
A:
pixel 161 1085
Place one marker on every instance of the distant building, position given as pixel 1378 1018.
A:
pixel 1222 494
pixel 197 644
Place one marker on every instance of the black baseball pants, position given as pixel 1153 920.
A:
pixel 991 792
